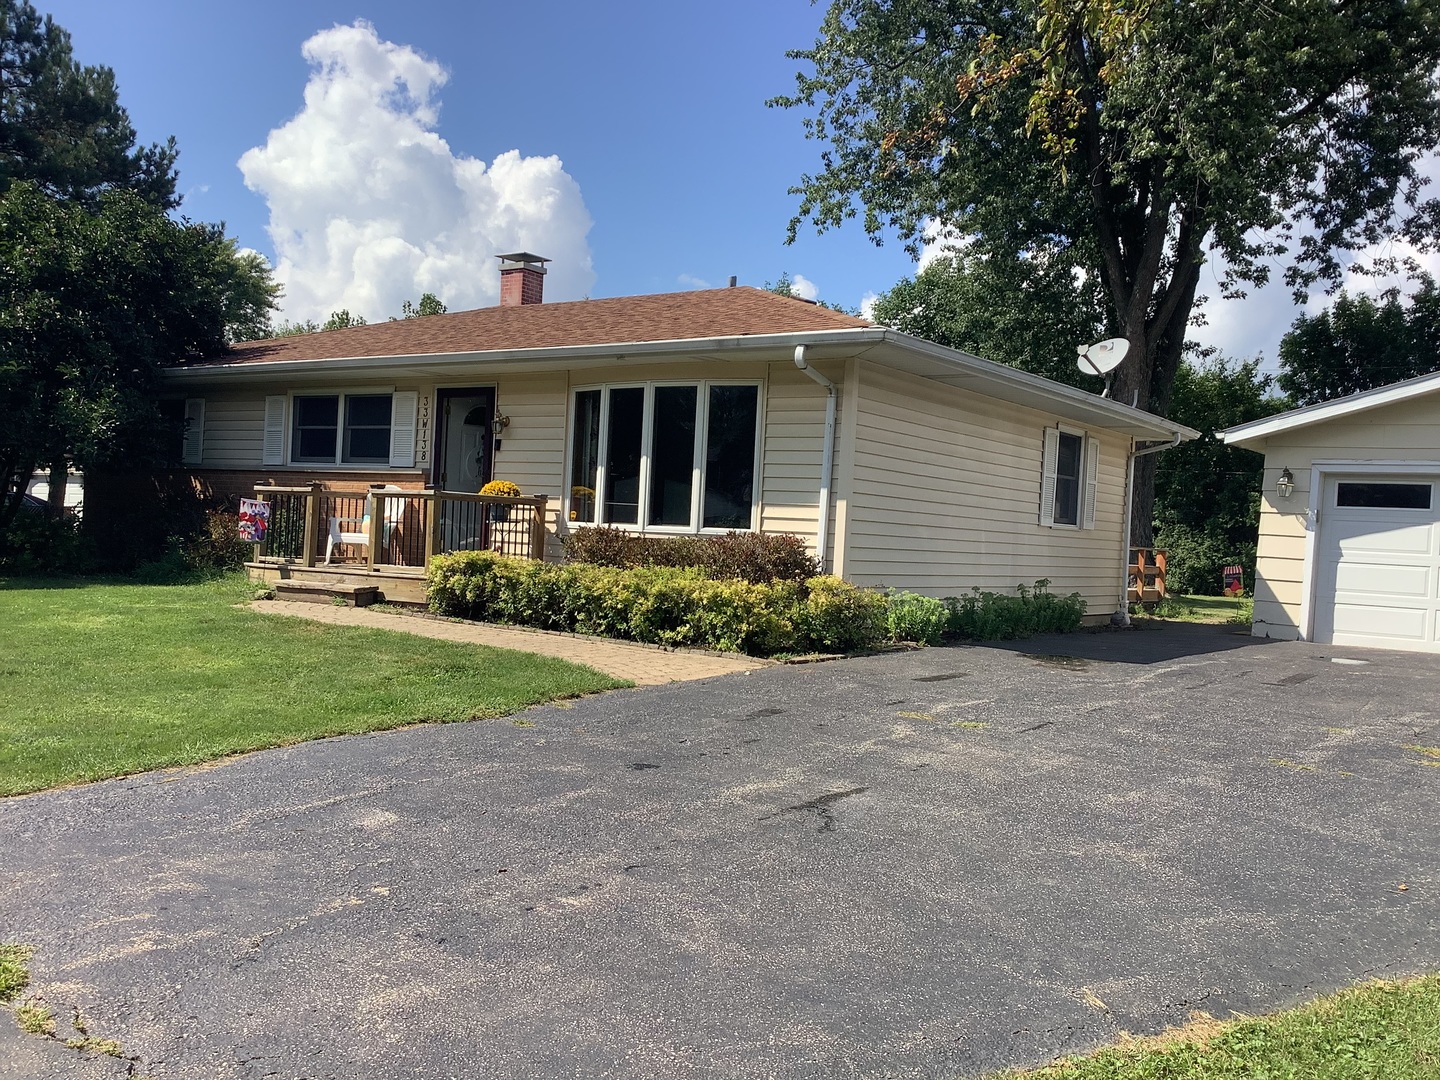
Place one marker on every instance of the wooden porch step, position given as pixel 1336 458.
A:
pixel 326 592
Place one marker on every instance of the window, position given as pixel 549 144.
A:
pixel 1067 479
pixel 1068 484
pixel 665 456
pixel 1380 496
pixel 316 425
pixel 367 429
pixel 317 434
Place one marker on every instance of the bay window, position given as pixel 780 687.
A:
pixel 670 456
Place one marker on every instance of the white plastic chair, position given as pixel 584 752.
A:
pixel 359 533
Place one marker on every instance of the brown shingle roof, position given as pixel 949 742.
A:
pixel 658 317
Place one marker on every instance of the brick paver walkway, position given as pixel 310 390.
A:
pixel 641 664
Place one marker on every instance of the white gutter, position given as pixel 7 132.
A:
pixel 827 459
pixel 1122 615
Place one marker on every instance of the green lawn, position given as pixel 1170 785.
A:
pixel 106 679
pixel 1376 1031
pixel 1203 609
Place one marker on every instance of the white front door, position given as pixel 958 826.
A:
pixel 1378 562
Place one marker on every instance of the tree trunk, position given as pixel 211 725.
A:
pixel 59 477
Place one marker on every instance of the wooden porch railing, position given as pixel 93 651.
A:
pixel 393 528
pixel 1147 575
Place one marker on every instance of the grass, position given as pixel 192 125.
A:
pixel 1234 610
pixel 14 974
pixel 1375 1031
pixel 104 679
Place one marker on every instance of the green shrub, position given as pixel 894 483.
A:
pixel 1196 561
pixel 912 617
pixel 838 617
pixel 659 605
pixel 749 556
pixel 988 616
pixel 36 543
pixel 217 544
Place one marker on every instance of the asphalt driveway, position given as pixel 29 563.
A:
pixel 920 864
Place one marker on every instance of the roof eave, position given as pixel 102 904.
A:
pixel 1252 436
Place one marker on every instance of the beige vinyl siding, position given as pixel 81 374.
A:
pixel 1408 430
pixel 792 452
pixel 532 448
pixel 946 494
pixel 234 431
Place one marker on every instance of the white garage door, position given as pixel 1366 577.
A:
pixel 1378 563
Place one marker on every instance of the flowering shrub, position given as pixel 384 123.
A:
pixel 988 616
pixel 501 487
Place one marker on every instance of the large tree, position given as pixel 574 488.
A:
pixel 1028 313
pixel 99 285
pixel 1359 343
pixel 1131 138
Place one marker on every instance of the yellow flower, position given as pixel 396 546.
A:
pixel 501 487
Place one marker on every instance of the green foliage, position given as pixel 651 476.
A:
pixel 1207 494
pixel 912 617
pixel 659 605
pixel 14 975
pixel 750 556
pixel 342 320
pixel 62 127
pixel 785 286
pixel 216 546
pixel 989 616
pixel 46 544
pixel 1196 558
pixel 100 287
pixel 429 304
pixel 1030 313
pixel 159 675
pixel 295 329
pixel 1286 134
pixel 1359 344
pixel 1376 1029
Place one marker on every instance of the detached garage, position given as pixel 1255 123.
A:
pixel 1349 550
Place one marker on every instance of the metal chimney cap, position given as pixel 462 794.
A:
pixel 526 259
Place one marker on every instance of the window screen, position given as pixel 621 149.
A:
pixel 1067 479
pixel 317 422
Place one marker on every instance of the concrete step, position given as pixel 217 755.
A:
pixel 326 592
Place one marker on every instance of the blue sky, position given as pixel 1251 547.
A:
pixel 656 110
pixel 630 142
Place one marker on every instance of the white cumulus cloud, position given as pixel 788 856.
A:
pixel 369 206
pixel 804 288
pixel 867 305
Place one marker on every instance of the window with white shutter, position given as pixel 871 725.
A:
pixel 192 446
pixel 1047 476
pixel 402 429
pixel 274 448
pixel 1092 477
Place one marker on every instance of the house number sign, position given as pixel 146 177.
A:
pixel 422 432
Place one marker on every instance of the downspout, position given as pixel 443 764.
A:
pixel 1122 615
pixel 827 459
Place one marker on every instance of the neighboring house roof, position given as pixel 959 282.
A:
pixel 659 317
pixel 1259 430
pixel 715 324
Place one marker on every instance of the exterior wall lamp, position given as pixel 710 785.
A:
pixel 1285 486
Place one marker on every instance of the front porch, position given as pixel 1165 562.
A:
pixel 385 537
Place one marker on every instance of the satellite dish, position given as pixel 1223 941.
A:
pixel 1102 358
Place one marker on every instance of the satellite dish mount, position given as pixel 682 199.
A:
pixel 1102 359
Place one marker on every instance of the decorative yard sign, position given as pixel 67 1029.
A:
pixel 1233 584
pixel 254 520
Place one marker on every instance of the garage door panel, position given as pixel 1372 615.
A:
pixel 1376 578
pixel 1375 621
pixel 1378 572
pixel 1363 540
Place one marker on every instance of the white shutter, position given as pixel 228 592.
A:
pixel 274 430
pixel 1092 474
pixel 1049 462
pixel 402 429
pixel 192 449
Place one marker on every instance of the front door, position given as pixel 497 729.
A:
pixel 466 448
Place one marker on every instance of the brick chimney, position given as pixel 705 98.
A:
pixel 522 278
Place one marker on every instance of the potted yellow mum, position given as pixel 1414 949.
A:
pixel 501 512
